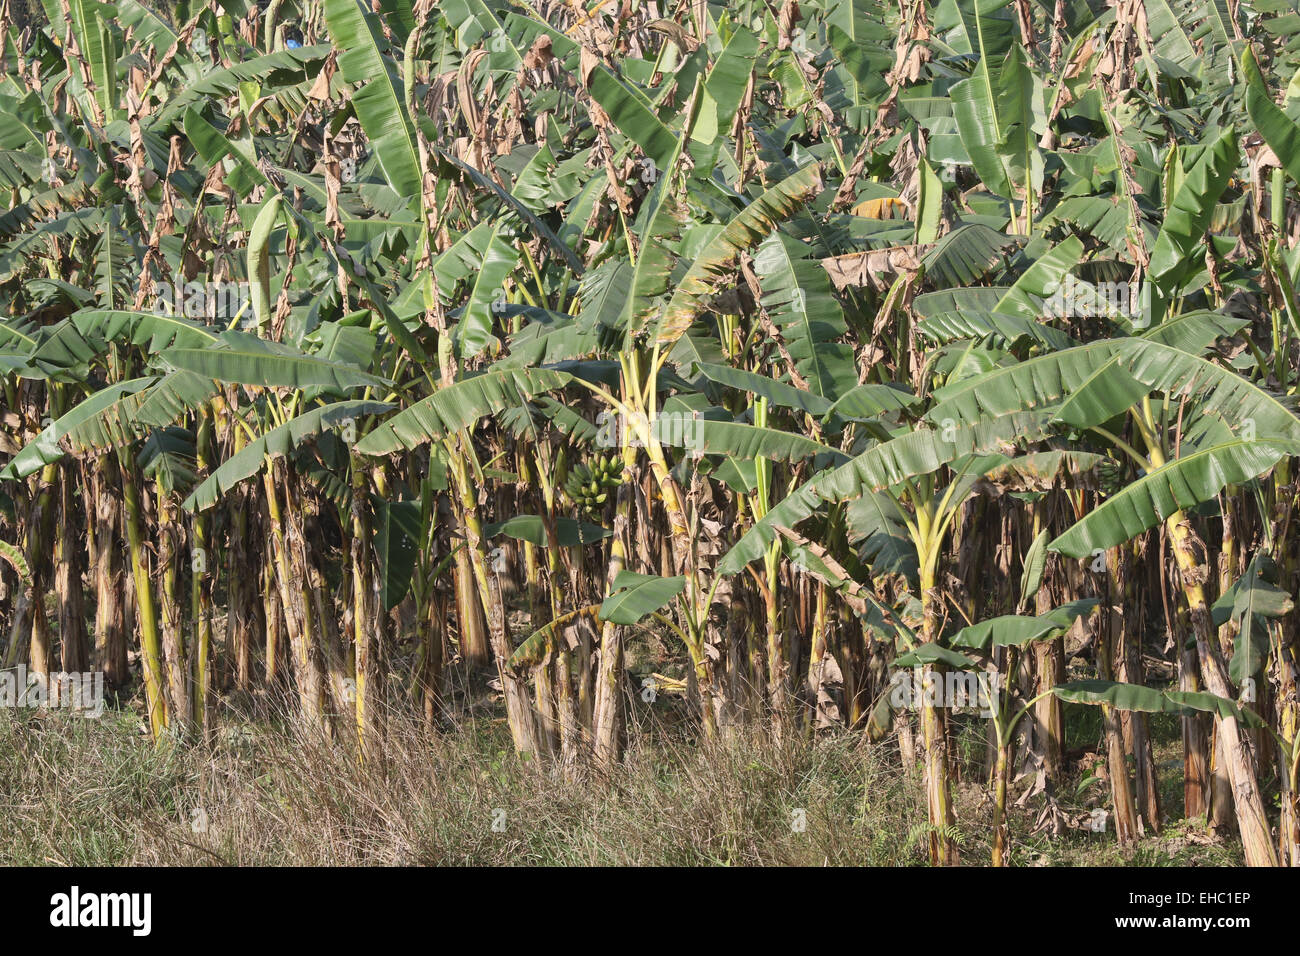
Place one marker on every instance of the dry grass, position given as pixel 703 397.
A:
pixel 76 791
pixel 94 792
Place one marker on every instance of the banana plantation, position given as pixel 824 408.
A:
pixel 918 374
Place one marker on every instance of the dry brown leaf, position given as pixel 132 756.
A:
pixel 785 22
pixel 587 63
pixel 320 89
pixel 876 268
pixel 539 55
pixel 675 32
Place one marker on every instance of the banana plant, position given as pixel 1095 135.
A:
pixel 1015 633
pixel 1198 427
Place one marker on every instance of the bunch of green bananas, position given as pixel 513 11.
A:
pixel 588 485
pixel 1110 475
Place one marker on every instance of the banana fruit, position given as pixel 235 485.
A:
pixel 588 485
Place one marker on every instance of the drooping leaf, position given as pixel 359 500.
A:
pixel 1011 630
pixel 1035 563
pixel 1188 213
pixel 934 654
pixel 398 531
pixel 1114 694
pixel 1181 483
pixel 248 360
pixel 635 596
pixel 47 448
pixel 744 231
pixel 279 441
pixel 459 406
pixel 569 532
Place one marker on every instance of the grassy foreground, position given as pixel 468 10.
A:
pixel 96 792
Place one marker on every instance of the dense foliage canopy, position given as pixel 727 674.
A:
pixel 752 353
